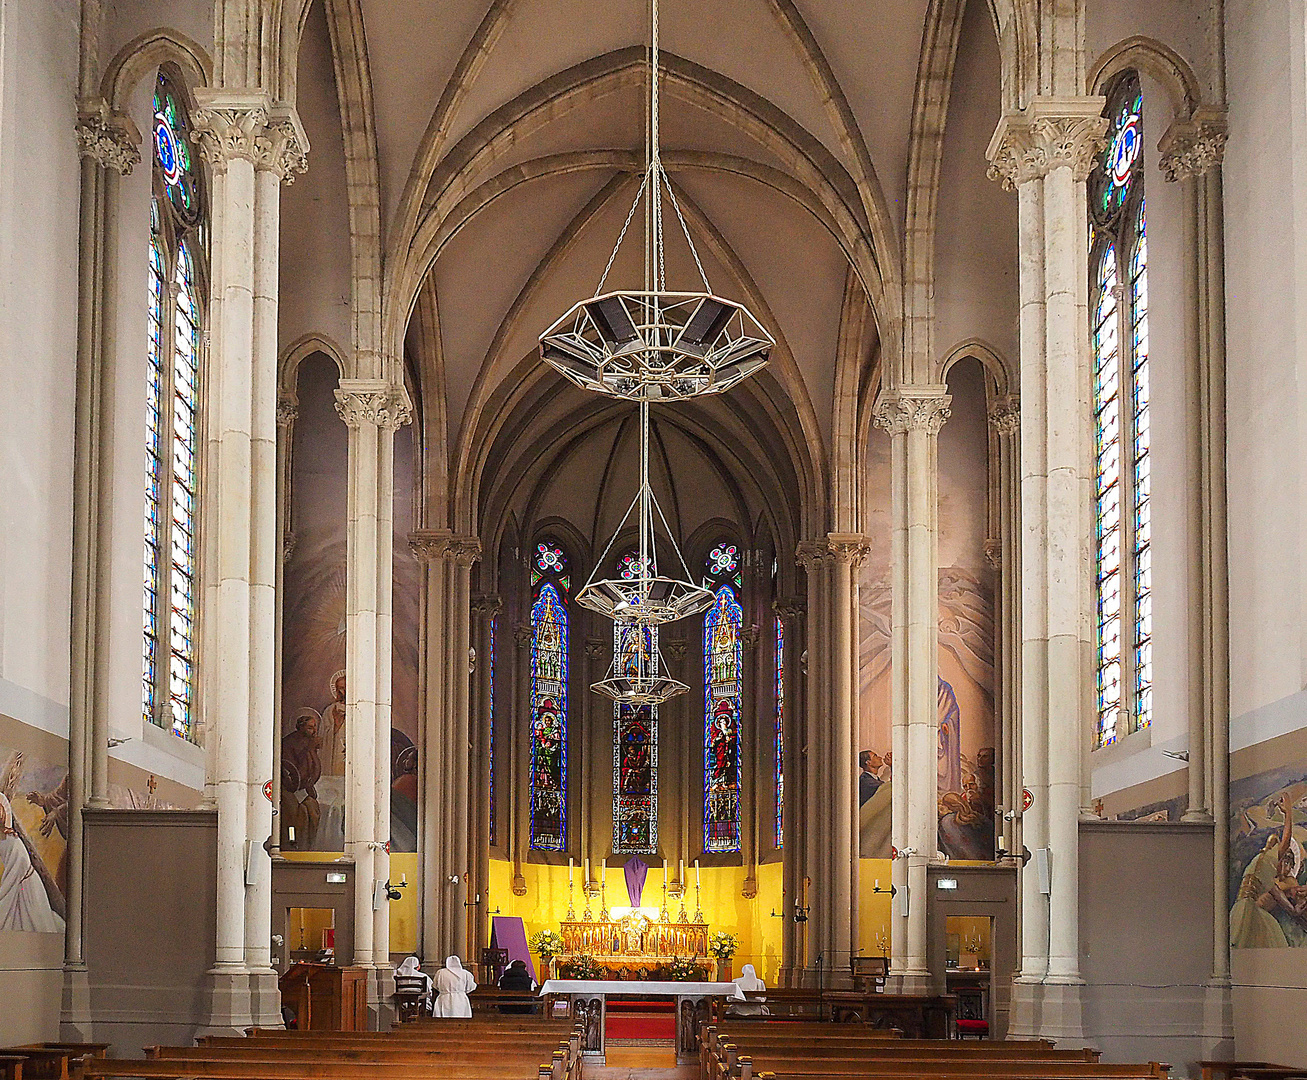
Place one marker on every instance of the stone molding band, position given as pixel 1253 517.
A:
pixel 1053 133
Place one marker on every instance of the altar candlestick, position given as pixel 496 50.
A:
pixel 682 873
pixel 569 871
pixel 698 879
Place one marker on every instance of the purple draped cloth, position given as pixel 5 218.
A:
pixel 636 869
pixel 508 932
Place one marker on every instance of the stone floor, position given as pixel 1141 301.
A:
pixel 641 1063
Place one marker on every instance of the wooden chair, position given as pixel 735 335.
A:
pixel 971 1019
pixel 869 972
pixel 412 998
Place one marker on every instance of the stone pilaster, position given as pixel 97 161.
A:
pixel 484 610
pixel 913 417
pixel 1045 153
pixel 791 612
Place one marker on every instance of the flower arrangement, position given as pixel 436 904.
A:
pixel 547 943
pixel 584 967
pixel 684 968
pixel 723 945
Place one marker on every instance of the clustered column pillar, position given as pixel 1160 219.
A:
pixel 252 148
pixel 486 608
pixel 790 612
pixel 1191 154
pixel 913 417
pixel 446 811
pixel 814 890
pixel 372 409
pixel 1046 154
pixel 108 147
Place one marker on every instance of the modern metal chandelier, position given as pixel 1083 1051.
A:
pixel 644 346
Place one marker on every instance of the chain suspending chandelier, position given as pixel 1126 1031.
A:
pixel 644 346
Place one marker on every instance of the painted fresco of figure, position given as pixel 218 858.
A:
pixel 29 899
pixel 333 725
pixel 301 769
pixel 1270 908
pixel 950 739
pixel 403 792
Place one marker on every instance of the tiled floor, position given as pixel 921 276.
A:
pixel 641 1063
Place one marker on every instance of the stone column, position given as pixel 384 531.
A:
pixel 108 146
pixel 913 417
pixel 372 409
pixel 287 414
pixel 464 551
pixel 252 149
pixel 1046 153
pixel 790 611
pixel 485 609
pixel 1192 151
pixel 429 546
pixel 521 756
pixel 849 552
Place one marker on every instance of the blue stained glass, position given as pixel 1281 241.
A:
pixel 154 375
pixel 548 781
pixel 722 768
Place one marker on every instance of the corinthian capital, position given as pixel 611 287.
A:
pixel 810 554
pixel 428 545
pixel 1053 133
pixel 790 609
pixel 372 401
pixel 111 139
pixel 487 604
pixel 1194 145
pixel 900 411
pixel 288 411
pixel 228 126
pixel 1005 415
pixel 851 548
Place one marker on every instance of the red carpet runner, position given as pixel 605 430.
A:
pixel 641 1021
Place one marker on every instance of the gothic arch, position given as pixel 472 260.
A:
pixel 300 350
pixel 1154 59
pixel 141 57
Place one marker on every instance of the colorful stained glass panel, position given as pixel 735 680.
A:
pixel 722 665
pixel 548 781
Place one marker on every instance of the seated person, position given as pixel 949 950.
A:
pixel 517 978
pixel 410 969
pixel 749 983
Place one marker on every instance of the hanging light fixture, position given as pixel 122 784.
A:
pixel 655 345
pixel 643 346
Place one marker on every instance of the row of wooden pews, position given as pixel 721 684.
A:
pixel 488 1048
pixel 47 1060
pixel 789 1050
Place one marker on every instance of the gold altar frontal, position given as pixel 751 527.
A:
pixel 635 946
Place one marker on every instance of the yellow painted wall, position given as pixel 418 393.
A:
pixel 545 904
pixel 404 911
pixel 873 908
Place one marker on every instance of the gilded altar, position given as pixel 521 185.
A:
pixel 635 946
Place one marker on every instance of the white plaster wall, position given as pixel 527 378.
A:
pixel 38 305
pixel 1265 189
pixel 126 20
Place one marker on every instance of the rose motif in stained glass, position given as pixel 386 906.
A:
pixel 165 148
pixel 723 559
pixel 1125 150
pixel 550 559
pixel 631 567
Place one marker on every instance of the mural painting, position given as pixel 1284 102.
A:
pixel 314 723
pixel 1268 871
pixel 966 635
pixel 34 839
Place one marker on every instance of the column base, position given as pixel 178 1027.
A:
pixel 910 982
pixel 1047 1010
pixel 230 1005
pixel 381 998
pixel 1197 815
pixel 265 999
pixel 75 1024
pixel 1218 1021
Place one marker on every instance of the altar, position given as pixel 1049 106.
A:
pixel 587 1003
pixel 635 947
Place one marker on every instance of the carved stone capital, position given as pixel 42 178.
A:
pixel 464 550
pixel 522 635
pixel 994 553
pixel 373 401
pixel 228 126
pixel 810 554
pixel 749 637
pixel 852 548
pixel 111 139
pixel 1194 145
pixel 428 545
pixel 1053 133
pixel 675 649
pixel 790 609
pixel 1005 415
pixel 899 412
pixel 487 605
pixel 288 411
pixel 594 648
pixel 287 546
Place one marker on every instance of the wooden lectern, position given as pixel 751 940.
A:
pixel 326 998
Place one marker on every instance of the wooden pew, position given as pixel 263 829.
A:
pixel 1256 1070
pixel 11 1066
pixel 503 1066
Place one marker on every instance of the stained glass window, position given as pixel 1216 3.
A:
pixel 174 321
pixel 635 738
pixel 722 667
pixel 780 744
pixel 1123 563
pixel 549 559
pixel 549 645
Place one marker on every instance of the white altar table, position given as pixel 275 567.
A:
pixel 588 1004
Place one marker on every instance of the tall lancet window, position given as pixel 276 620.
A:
pixel 722 665
pixel 1119 305
pixel 548 796
pixel 635 740
pixel 175 320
